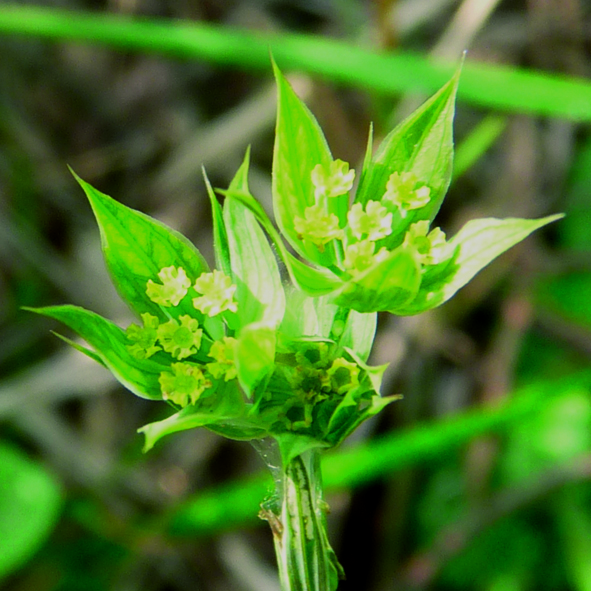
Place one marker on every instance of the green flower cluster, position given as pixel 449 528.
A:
pixel 360 241
pixel 182 338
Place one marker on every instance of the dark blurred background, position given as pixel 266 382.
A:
pixel 500 513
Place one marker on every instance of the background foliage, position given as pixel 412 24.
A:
pixel 479 478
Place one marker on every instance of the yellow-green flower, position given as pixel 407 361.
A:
pixel 344 375
pixel 143 338
pixel 175 285
pixel 217 293
pixel 406 192
pixel 431 247
pixel 318 226
pixel 333 181
pixel 184 384
pixel 180 340
pixel 374 223
pixel 361 255
pixel 223 353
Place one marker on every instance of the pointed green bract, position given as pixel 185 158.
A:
pixel 391 282
pixel 299 147
pixel 478 243
pixel 259 291
pixel 110 344
pixel 220 237
pixel 137 247
pixel 423 145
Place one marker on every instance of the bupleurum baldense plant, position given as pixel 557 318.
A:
pixel 252 355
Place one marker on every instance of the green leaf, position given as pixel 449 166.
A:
pixel 421 144
pixel 478 243
pixel 392 282
pixel 259 293
pixel 30 502
pixel 137 247
pixel 254 356
pixel 220 238
pixel 109 342
pixel 299 146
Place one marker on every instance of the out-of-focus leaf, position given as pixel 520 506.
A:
pixel 259 293
pixel 574 525
pixel 140 376
pixel 479 140
pixel 567 295
pixel 30 501
pixel 137 247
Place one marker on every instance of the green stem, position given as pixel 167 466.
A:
pixel 304 556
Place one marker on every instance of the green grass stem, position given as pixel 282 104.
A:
pixel 484 85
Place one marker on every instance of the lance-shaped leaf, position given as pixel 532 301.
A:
pixel 389 283
pixel 259 291
pixel 299 146
pixel 109 342
pixel 136 247
pixel 421 144
pixel 477 243
pixel 254 356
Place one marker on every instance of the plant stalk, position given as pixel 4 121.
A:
pixel 305 559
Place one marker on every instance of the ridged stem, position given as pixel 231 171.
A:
pixel 304 556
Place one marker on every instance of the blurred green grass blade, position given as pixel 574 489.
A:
pixel 477 142
pixel 486 85
pixel 30 503
pixel 237 503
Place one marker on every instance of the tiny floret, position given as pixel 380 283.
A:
pixel 173 289
pixel 217 293
pixel 223 354
pixel 180 340
pixel 143 338
pixel 431 247
pixel 374 223
pixel 406 192
pixel 361 255
pixel 184 384
pixel 333 181
pixel 318 226
pixel 344 375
